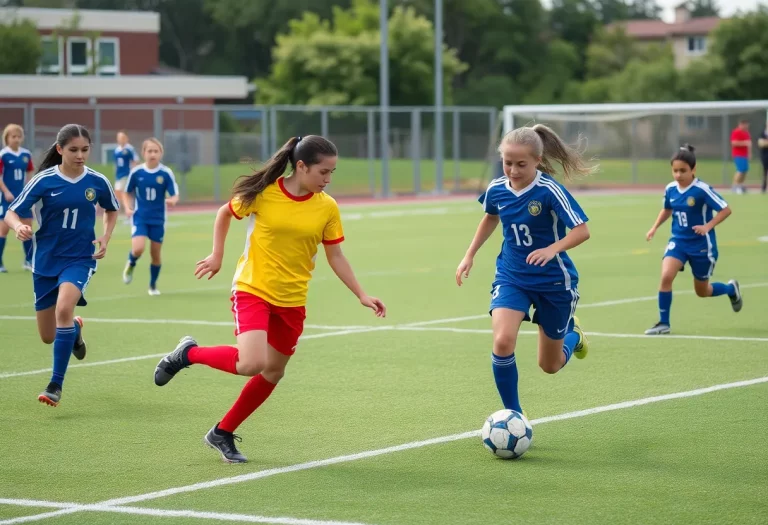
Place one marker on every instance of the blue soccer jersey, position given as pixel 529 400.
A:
pixel 150 187
pixel 692 206
pixel 14 166
pixel 533 218
pixel 123 157
pixel 65 210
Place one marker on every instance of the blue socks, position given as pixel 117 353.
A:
pixel 723 289
pixel 569 345
pixel 154 273
pixel 665 304
pixel 131 259
pixel 27 245
pixel 505 373
pixel 62 350
pixel 2 249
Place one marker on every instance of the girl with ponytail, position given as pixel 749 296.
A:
pixel 289 217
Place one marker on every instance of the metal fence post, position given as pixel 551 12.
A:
pixel 492 158
pixel 31 128
pixel 216 154
pixel 416 149
pixel 158 123
pixel 272 131
pixel 324 123
pixel 456 150
pixel 97 130
pixel 264 135
pixel 725 135
pixel 634 151
pixel 371 153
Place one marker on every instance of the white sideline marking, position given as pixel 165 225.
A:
pixel 589 334
pixel 71 508
pixel 114 503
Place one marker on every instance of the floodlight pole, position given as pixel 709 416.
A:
pixel 439 96
pixel 384 94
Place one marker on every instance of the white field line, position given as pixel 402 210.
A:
pixel 71 508
pixel 155 356
pixel 112 503
pixel 589 334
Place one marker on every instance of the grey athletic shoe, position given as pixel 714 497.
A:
pixel 171 364
pixel 224 442
pixel 51 395
pixel 736 300
pixel 658 329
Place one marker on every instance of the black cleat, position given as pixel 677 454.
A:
pixel 736 300
pixel 51 395
pixel 172 364
pixel 224 442
pixel 79 349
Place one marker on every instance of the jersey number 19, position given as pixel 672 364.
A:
pixel 682 218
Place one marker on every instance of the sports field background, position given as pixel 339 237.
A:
pixel 361 385
pixel 352 176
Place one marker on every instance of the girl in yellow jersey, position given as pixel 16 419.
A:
pixel 288 218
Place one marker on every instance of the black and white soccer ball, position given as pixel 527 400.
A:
pixel 507 434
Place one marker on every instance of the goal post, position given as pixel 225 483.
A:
pixel 633 142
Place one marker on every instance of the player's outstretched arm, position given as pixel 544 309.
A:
pixel 110 219
pixel 343 270
pixel 211 265
pixel 4 189
pixel 664 214
pixel 484 231
pixel 572 239
pixel 23 231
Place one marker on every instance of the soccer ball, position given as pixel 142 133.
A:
pixel 507 434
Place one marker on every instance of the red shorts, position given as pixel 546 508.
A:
pixel 283 324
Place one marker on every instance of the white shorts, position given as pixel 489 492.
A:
pixel 120 184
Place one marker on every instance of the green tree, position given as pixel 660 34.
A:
pixel 337 61
pixel 701 8
pixel 574 22
pixel 644 10
pixel 610 52
pixel 739 44
pixel 609 11
pixel 20 48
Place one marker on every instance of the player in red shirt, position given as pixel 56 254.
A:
pixel 741 150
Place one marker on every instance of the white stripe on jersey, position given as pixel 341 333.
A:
pixel 109 185
pixel 494 183
pixel 32 183
pixel 710 255
pixel 169 171
pixel 704 186
pixel 566 275
pixel 558 193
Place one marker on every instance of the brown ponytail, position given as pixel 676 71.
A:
pixel 309 150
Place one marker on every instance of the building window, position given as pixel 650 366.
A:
pixel 697 122
pixel 52 56
pixel 78 56
pixel 108 56
pixel 697 45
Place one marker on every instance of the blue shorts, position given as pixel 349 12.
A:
pixel 702 263
pixel 155 232
pixel 47 288
pixel 4 205
pixel 553 310
pixel 742 164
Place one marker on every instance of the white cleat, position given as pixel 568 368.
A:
pixel 27 266
pixel 658 329
pixel 128 273
pixel 153 291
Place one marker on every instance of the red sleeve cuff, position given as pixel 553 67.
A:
pixel 233 211
pixel 334 241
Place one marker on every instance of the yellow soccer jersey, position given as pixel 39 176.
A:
pixel 283 235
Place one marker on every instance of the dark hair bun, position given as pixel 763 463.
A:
pixel 688 147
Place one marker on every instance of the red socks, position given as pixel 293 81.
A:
pixel 222 358
pixel 255 392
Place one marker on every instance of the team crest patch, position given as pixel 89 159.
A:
pixel 90 194
pixel 24 159
pixel 534 208
pixel 159 179
pixel 691 201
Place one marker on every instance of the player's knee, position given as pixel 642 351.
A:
pixel 273 374
pixel 249 368
pixel 549 366
pixel 504 344
pixel 47 338
pixel 64 316
pixel 702 290
pixel 137 252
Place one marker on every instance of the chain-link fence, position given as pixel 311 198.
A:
pixel 210 146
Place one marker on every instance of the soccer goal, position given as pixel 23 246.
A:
pixel 633 142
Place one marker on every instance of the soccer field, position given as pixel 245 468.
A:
pixel 377 421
